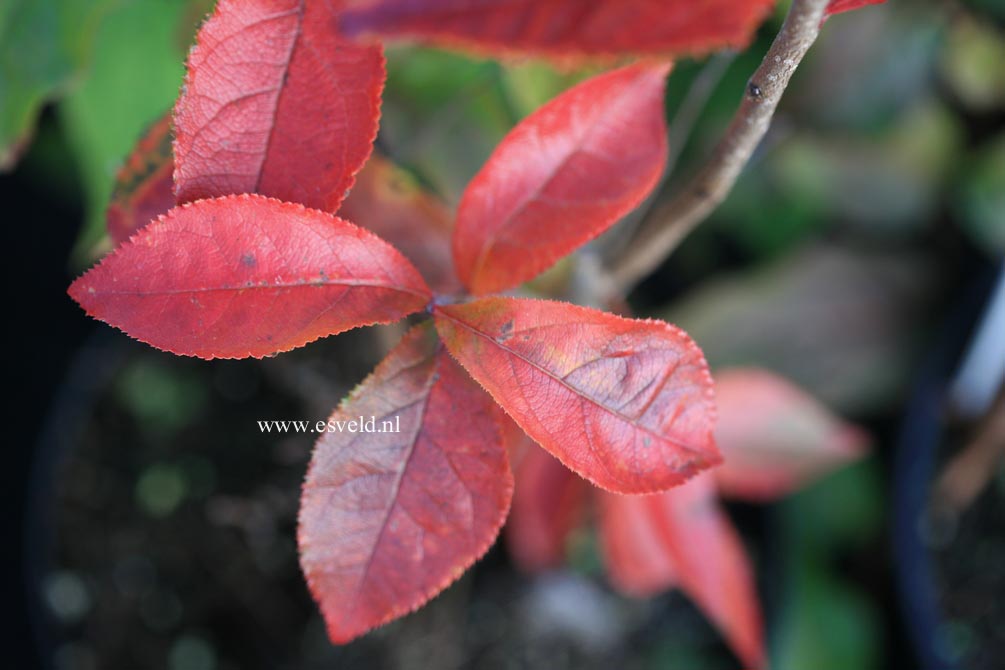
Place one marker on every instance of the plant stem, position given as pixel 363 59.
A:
pixel 614 243
pixel 671 221
pixel 689 112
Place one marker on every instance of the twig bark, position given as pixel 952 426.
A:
pixel 675 218
pixel 970 471
pixel 614 243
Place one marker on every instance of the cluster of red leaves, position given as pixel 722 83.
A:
pixel 774 439
pixel 247 258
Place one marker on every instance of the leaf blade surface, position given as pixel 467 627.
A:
pixel 627 404
pixel 838 6
pixel 276 102
pixel 712 564
pixel 388 202
pixel 388 520
pixel 565 29
pixel 637 562
pixel 561 177
pixel 775 437
pixel 144 186
pixel 549 502
pixel 247 275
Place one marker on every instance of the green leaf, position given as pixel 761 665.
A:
pixel 137 70
pixel 529 84
pixel 826 624
pixel 43 46
pixel 837 513
pixel 442 115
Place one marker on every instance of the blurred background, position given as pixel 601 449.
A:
pixel 155 525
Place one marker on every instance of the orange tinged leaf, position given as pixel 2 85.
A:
pixel 248 276
pixel 143 186
pixel 548 503
pixel 637 561
pixel 711 564
pixel 627 404
pixel 565 29
pixel 561 177
pixel 388 520
pixel 388 202
pixel 775 437
pixel 276 102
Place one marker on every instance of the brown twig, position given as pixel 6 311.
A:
pixel 614 243
pixel 675 218
pixel 969 472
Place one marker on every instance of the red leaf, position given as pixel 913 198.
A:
pixel 838 6
pixel 516 441
pixel 388 202
pixel 248 276
pixel 548 504
pixel 276 102
pixel 711 564
pixel 627 404
pixel 638 563
pixel 143 185
pixel 775 437
pixel 565 29
pixel 388 520
pixel 561 177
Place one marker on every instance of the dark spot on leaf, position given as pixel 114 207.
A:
pixel 248 260
pixel 506 331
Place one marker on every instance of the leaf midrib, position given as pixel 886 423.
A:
pixel 306 284
pixel 572 389
pixel 522 204
pixel 260 171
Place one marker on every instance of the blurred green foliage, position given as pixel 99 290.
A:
pixel 531 83
pixel 43 47
pixel 160 489
pixel 981 197
pixel 112 66
pixel 162 399
pixel 442 115
pixel 116 100
pixel 972 63
pixel 826 622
